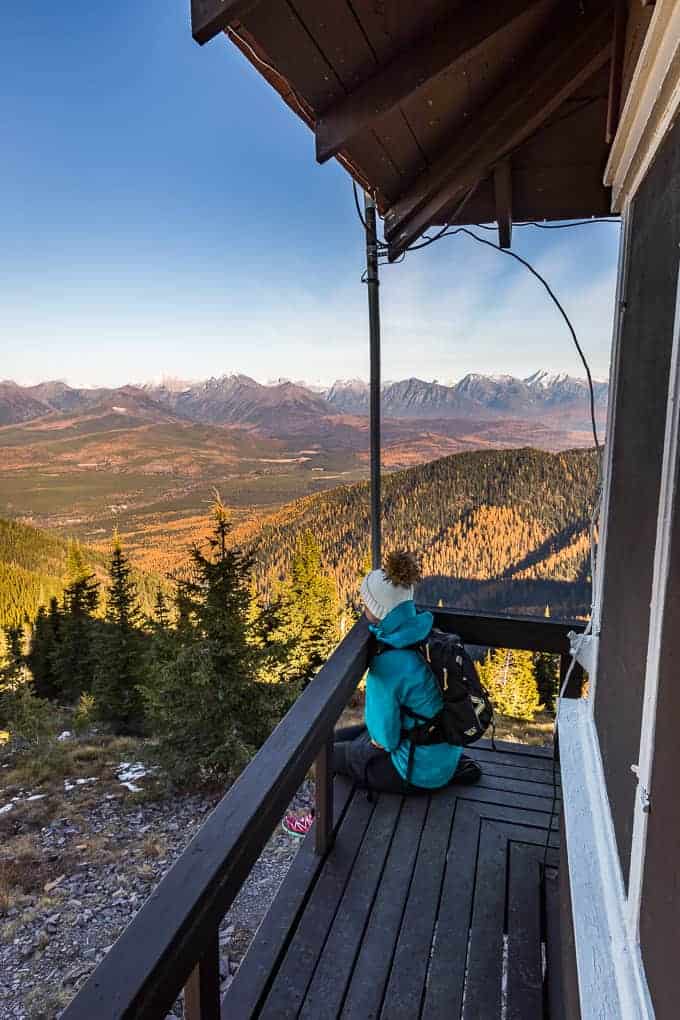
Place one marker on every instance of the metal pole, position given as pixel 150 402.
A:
pixel 374 333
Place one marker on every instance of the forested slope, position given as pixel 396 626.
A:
pixel 32 565
pixel 500 530
pixel 33 568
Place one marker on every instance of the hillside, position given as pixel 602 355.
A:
pixel 499 530
pixel 33 567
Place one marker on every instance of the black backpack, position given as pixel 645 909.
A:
pixel 467 712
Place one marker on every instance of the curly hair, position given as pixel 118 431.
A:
pixel 403 568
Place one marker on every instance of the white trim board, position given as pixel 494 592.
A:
pixel 651 105
pixel 611 978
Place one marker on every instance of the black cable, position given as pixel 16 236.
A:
pixel 381 244
pixel 552 226
pixel 562 226
pixel 541 279
pixel 358 207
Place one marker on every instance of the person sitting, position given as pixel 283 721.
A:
pixel 377 754
pixel 399 681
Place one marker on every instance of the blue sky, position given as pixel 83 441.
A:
pixel 163 215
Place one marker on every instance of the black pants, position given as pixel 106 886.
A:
pixel 356 757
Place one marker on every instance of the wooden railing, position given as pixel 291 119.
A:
pixel 172 943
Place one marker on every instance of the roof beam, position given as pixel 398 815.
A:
pixel 210 17
pixel 502 186
pixel 449 43
pixel 576 47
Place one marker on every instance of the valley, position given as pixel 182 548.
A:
pixel 148 459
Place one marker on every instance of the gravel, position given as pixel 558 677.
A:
pixel 108 859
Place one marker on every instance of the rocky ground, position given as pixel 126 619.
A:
pixel 80 853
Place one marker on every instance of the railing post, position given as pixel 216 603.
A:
pixel 202 990
pixel 574 688
pixel 323 819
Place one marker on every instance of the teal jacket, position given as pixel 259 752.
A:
pixel 399 676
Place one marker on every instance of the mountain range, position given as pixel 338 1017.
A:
pixel 285 407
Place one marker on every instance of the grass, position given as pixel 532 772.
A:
pixel 521 731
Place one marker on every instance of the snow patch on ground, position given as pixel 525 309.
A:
pixel 68 785
pixel 129 772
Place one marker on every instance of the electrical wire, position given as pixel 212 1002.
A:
pixel 554 226
pixel 507 251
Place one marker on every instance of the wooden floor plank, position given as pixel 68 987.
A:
pixel 490 781
pixel 524 966
pixel 369 978
pixel 530 838
pixel 504 798
pixel 482 754
pixel 406 982
pixel 444 992
pixel 514 747
pixel 482 995
pixel 290 984
pixel 326 991
pixel 527 775
pixel 251 980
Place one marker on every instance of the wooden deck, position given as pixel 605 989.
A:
pixel 429 907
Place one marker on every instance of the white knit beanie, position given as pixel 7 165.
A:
pixel 381 595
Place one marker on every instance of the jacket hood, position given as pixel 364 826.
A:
pixel 403 626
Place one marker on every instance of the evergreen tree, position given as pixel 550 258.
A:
pixel 161 613
pixel 11 666
pixel 43 652
pixel 547 671
pixel 201 694
pixel 13 658
pixel 74 658
pixel 509 677
pixel 302 624
pixel 119 650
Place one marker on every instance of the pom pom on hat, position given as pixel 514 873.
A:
pixel 384 589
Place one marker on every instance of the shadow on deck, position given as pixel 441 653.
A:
pixel 429 907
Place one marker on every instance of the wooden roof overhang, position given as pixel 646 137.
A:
pixel 447 111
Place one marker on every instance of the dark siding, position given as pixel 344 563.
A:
pixel 647 333
pixel 660 908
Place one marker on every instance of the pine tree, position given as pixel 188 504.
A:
pixel 13 657
pixel 202 695
pixel 119 649
pixel 547 671
pixel 43 651
pixel 74 658
pixel 302 623
pixel 509 677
